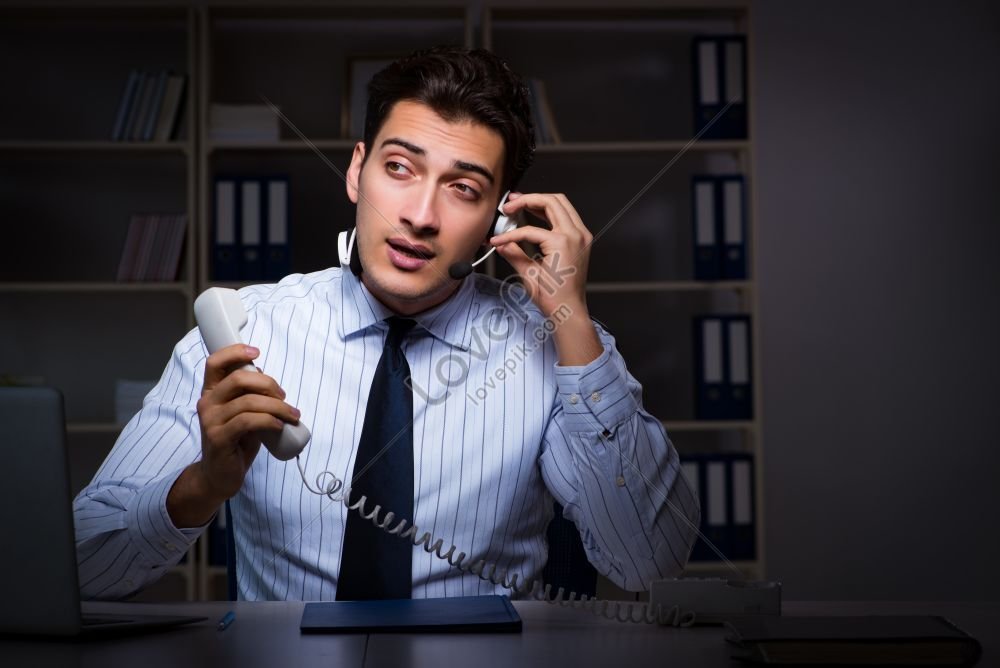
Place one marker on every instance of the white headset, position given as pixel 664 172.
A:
pixel 504 223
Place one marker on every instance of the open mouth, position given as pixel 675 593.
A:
pixel 416 252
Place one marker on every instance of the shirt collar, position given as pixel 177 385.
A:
pixel 449 321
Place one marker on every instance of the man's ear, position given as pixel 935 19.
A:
pixel 354 171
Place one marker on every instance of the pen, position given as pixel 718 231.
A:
pixel 226 620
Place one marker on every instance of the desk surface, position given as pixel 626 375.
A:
pixel 267 634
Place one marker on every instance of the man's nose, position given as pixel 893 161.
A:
pixel 420 210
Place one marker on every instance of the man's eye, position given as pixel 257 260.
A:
pixel 467 190
pixel 395 168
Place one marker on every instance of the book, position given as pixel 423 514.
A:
pixel 225 248
pixel 137 118
pixel 153 246
pixel 276 258
pixel 142 82
pixel 133 239
pixel 170 111
pixel 156 101
pixel 718 210
pixel 125 105
pixel 719 77
pixel 723 370
pixel 852 641
pixel 477 614
pixel 171 250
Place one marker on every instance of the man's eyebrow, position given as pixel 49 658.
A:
pixel 473 167
pixel 459 164
pixel 412 148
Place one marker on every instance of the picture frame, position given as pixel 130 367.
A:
pixel 359 71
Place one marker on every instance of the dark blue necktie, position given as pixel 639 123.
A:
pixel 373 564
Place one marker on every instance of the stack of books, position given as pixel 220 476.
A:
pixel 153 247
pixel 150 106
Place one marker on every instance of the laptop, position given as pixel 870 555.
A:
pixel 39 586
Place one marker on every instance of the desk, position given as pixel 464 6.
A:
pixel 267 634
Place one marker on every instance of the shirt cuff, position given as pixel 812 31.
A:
pixel 595 397
pixel 150 528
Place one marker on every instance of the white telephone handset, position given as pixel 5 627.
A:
pixel 220 316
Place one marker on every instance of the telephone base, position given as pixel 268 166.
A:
pixel 715 599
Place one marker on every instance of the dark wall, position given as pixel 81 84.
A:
pixel 876 131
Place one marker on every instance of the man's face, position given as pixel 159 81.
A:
pixel 429 185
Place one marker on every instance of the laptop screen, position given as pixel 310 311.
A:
pixel 38 571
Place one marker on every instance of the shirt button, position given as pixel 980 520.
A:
pixel 573 398
pixel 620 481
pixel 606 434
pixel 170 546
pixel 596 396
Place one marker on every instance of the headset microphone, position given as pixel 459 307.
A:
pixel 460 270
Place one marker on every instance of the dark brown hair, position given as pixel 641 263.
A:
pixel 460 84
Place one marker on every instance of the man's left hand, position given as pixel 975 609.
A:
pixel 557 280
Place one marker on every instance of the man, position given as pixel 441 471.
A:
pixel 517 395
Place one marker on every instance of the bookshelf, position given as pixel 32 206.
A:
pixel 624 114
pixel 619 82
pixel 72 191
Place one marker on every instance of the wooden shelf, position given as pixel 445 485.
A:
pixel 83 286
pixel 704 145
pixel 178 147
pixel 93 427
pixel 283 145
pixel 709 425
pixel 670 286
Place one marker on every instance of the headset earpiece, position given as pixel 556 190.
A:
pixel 347 250
pixel 504 223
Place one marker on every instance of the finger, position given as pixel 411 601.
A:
pixel 244 381
pixel 516 257
pixel 224 361
pixel 544 206
pixel 236 430
pixel 575 217
pixel 545 238
pixel 255 403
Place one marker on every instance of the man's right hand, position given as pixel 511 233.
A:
pixel 235 407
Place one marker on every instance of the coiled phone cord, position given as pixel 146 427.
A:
pixel 328 485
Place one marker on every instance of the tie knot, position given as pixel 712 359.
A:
pixel 398 329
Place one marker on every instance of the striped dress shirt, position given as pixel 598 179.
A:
pixel 499 429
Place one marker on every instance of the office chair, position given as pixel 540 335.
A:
pixel 567 566
pixel 230 555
